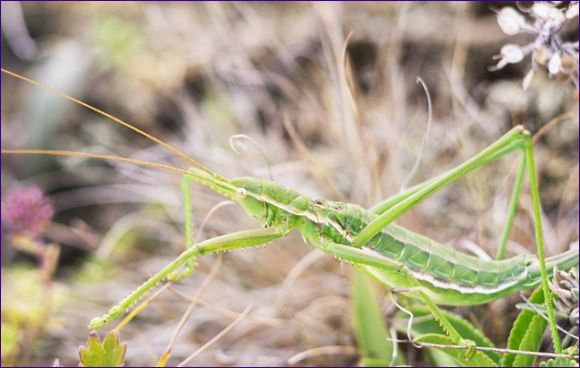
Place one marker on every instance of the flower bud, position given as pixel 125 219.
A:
pixel 542 10
pixel 568 62
pixel 510 21
pixel 25 210
pixel 541 55
pixel 512 54
pixel 555 64
pixel 572 11
pixel 528 79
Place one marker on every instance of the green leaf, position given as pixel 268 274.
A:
pixel 520 328
pixel 440 359
pixel 424 323
pixel 531 341
pixel 461 356
pixel 559 362
pixel 109 353
pixel 369 325
pixel 372 362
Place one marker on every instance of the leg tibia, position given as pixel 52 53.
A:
pixel 238 240
pixel 509 142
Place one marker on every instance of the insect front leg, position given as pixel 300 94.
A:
pixel 512 208
pixel 188 235
pixel 224 243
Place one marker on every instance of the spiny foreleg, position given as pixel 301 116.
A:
pixel 224 243
pixel 188 236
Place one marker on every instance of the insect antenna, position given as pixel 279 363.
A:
pixel 26 151
pixel 115 119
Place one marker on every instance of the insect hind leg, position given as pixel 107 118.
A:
pixel 389 212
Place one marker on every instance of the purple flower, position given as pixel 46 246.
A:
pixel 25 210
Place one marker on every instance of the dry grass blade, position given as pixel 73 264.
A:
pixel 417 163
pixel 217 337
pixel 167 353
pixel 295 273
pixel 237 137
pixel 274 322
pixel 211 212
pixel 551 124
pixel 324 350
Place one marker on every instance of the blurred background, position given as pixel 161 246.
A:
pixel 329 94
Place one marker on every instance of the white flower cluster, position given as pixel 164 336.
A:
pixel 548 51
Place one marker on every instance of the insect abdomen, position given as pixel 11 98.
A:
pixel 444 267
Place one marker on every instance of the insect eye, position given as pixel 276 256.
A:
pixel 242 192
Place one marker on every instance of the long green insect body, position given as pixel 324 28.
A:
pixel 450 277
pixel 399 258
